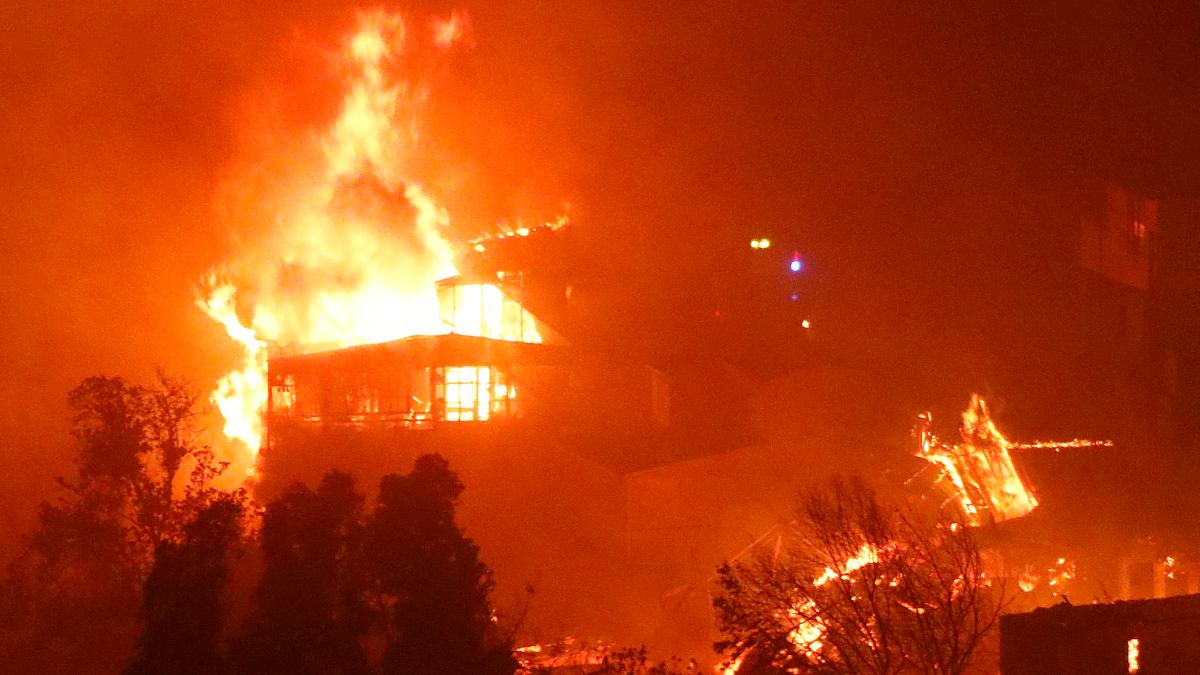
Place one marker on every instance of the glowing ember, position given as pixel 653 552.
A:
pixel 866 555
pixel 1061 572
pixel 1059 445
pixel 1056 576
pixel 1132 652
pixel 1168 567
pixel 809 627
pixel 358 247
pixel 979 469
pixel 569 654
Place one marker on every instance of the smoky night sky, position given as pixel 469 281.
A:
pixel 671 133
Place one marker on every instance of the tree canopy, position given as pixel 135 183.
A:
pixel 311 612
pixel 71 601
pixel 181 599
pixel 430 583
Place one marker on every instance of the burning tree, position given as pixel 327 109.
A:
pixel 868 589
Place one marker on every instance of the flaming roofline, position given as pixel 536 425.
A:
pixel 450 349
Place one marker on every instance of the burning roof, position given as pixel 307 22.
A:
pixel 978 471
pixel 981 473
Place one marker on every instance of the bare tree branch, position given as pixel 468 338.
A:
pixel 866 589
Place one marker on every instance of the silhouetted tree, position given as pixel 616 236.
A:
pixel 428 580
pixel 71 601
pixel 311 613
pixel 868 589
pixel 133 440
pixel 181 604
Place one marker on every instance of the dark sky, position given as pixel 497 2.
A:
pixel 670 131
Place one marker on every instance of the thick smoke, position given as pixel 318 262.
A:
pixel 668 130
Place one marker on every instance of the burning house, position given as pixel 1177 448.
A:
pixel 613 480
pixel 498 364
pixel 541 430
pixel 369 338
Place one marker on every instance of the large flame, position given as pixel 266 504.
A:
pixel 980 469
pixel 356 249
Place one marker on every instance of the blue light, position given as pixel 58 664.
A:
pixel 795 266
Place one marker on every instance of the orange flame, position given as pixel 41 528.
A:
pixel 810 629
pixel 980 469
pixel 356 251
pixel 451 30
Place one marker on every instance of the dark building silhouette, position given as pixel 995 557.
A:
pixel 1143 636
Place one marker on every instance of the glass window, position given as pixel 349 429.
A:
pixel 473 393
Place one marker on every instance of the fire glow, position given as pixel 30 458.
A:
pixel 980 469
pixel 809 626
pixel 358 249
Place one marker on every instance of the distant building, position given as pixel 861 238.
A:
pixel 1117 242
pixel 1143 636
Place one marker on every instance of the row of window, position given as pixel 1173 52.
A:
pixel 443 393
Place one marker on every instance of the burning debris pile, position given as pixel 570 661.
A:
pixel 567 653
pixel 858 576
pixel 572 655
pixel 1056 575
pixel 865 588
